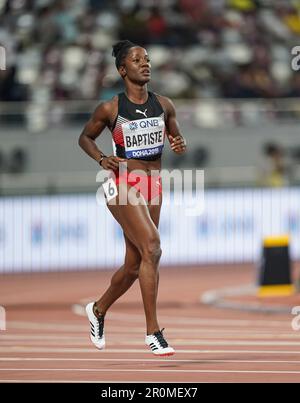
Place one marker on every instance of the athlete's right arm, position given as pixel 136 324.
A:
pixel 94 127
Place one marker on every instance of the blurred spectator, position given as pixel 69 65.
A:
pixel 65 20
pixel 46 32
pixel 274 170
pixel 294 90
pixel 132 26
pixel 18 161
pixel 2 162
pixel 10 88
pixel 157 26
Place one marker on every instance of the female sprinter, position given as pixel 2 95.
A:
pixel 138 120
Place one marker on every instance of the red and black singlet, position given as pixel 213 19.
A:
pixel 139 129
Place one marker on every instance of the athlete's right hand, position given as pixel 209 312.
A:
pixel 111 162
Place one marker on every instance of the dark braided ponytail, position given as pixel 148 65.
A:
pixel 120 51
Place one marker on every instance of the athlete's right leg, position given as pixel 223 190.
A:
pixel 120 282
pixel 123 279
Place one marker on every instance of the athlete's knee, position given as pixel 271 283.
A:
pixel 132 271
pixel 151 250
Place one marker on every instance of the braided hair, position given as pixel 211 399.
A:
pixel 120 51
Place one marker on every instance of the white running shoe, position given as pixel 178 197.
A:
pixel 97 327
pixel 158 344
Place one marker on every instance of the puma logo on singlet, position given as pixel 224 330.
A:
pixel 141 112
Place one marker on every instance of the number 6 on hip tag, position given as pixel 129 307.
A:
pixel 110 189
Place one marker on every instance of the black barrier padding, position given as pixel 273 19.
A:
pixel 275 267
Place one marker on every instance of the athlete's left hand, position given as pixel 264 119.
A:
pixel 178 144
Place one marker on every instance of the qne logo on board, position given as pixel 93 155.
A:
pixel 133 125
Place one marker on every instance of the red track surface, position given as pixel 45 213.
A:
pixel 46 341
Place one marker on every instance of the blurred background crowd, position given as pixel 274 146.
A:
pixel 227 64
pixel 61 50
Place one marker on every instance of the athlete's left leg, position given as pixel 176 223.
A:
pixel 123 279
pixel 145 280
pixel 154 208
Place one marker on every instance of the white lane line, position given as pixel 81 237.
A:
pixel 22 349
pixel 222 343
pixel 202 371
pixel 128 317
pixel 117 335
pixel 58 327
pixel 218 299
pixel 116 332
pixel 175 342
pixel 212 325
pixel 84 328
pixel 128 360
pixel 41 337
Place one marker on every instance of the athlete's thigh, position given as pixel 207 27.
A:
pixel 133 256
pixel 154 210
pixel 135 221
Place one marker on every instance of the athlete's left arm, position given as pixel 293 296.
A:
pixel 177 141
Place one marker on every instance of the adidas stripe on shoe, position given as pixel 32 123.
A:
pixel 158 344
pixel 97 327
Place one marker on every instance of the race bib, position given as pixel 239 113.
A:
pixel 110 189
pixel 143 137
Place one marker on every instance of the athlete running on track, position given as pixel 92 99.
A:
pixel 139 121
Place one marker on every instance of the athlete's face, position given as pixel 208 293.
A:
pixel 137 67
